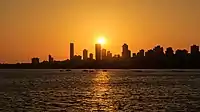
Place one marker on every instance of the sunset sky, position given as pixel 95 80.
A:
pixel 37 28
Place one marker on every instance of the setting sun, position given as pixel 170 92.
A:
pixel 101 40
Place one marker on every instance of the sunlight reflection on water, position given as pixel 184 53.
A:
pixel 112 91
pixel 101 90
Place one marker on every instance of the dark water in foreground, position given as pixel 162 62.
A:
pixel 115 91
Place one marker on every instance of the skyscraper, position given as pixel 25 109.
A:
pixel 50 59
pixel 85 54
pixel 104 55
pixel 129 53
pixel 141 53
pixel 158 50
pixel 91 56
pixel 71 51
pixel 169 52
pixel 125 52
pixel 194 49
pixel 98 51
pixel 109 55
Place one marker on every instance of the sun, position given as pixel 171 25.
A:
pixel 101 40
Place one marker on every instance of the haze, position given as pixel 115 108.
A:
pixel 37 28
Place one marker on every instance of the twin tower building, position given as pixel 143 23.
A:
pixel 100 54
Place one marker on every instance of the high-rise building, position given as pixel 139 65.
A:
pixel 169 52
pixel 125 52
pixel 85 54
pixel 129 54
pixel 141 53
pixel 104 55
pixel 109 55
pixel 194 49
pixel 98 51
pixel 51 59
pixel 35 60
pixel 91 56
pixel 71 51
pixel 158 50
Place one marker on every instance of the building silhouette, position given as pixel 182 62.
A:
pixel 154 58
pixel 194 49
pixel 91 56
pixel 181 53
pixel 35 61
pixel 141 53
pixel 134 55
pixel 77 58
pixel 194 56
pixel 129 53
pixel 158 50
pixel 104 54
pixel 85 54
pixel 71 51
pixel 51 59
pixel 98 52
pixel 169 52
pixel 126 53
pixel 149 53
pixel 109 55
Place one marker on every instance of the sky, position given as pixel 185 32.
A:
pixel 37 28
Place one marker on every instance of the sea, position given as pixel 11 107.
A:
pixel 119 90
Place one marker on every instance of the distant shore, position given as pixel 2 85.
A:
pixel 57 66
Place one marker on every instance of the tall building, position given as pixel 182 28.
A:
pixel 35 60
pixel 98 51
pixel 158 50
pixel 71 51
pixel 85 54
pixel 91 56
pixel 141 53
pixel 129 54
pixel 125 52
pixel 104 55
pixel 109 55
pixel 169 52
pixel 51 59
pixel 194 49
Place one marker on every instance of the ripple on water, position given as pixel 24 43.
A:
pixel 99 91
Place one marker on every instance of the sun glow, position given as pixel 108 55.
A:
pixel 101 40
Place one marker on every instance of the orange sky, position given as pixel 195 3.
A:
pixel 36 28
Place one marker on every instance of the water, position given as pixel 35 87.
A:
pixel 112 91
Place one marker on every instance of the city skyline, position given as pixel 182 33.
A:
pixel 38 28
pixel 101 53
pixel 126 53
pixel 154 58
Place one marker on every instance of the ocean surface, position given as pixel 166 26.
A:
pixel 98 91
